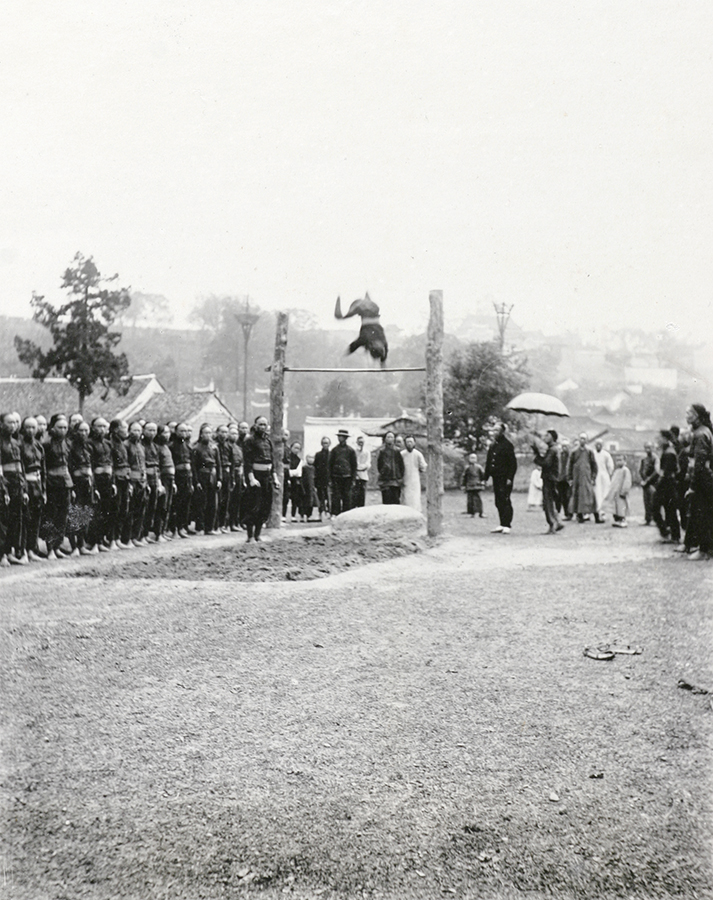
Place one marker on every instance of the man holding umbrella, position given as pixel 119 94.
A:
pixel 501 464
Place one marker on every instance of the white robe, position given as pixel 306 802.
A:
pixel 605 469
pixel 414 465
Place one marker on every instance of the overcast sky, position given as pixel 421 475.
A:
pixel 553 155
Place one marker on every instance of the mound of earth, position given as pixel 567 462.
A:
pixel 391 520
pixel 301 558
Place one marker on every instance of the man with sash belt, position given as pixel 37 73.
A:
pixel 103 470
pixel 260 479
pixel 181 453
pixel 137 464
pixel 153 483
pixel 236 492
pixel 121 521
pixel 167 475
pixel 33 460
pixel 16 487
pixel 227 477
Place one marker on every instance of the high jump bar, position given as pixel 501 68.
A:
pixel 348 371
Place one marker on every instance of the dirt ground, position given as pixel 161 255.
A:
pixel 423 726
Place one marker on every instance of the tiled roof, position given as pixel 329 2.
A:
pixel 30 396
pixel 179 407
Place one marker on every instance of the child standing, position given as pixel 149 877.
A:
pixel 617 498
pixel 309 491
pixel 473 485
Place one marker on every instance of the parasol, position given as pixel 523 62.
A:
pixel 543 404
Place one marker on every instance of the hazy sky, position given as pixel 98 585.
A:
pixel 554 155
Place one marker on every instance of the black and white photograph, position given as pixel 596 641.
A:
pixel 356 454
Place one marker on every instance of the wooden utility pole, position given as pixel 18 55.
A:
pixel 434 415
pixel 277 416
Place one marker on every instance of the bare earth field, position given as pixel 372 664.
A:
pixel 421 726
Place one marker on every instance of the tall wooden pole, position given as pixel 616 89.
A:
pixel 277 415
pixel 434 415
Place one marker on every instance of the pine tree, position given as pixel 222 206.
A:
pixel 82 343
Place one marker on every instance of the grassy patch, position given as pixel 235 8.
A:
pixel 417 732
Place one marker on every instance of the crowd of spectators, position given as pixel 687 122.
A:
pixel 73 488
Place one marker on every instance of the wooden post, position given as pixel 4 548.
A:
pixel 277 416
pixel 434 415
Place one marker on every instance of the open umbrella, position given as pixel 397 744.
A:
pixel 544 404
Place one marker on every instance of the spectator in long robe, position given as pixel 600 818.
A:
pixel 605 470
pixel 583 474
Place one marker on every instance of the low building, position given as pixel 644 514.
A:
pixel 195 408
pixel 30 396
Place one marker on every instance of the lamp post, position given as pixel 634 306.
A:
pixel 247 319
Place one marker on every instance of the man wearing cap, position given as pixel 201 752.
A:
pixel 342 473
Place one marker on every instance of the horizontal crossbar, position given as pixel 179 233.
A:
pixel 351 371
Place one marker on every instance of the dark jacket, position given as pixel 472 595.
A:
pixel 550 463
pixel 342 462
pixel 501 463
pixel 390 466
pixel 321 468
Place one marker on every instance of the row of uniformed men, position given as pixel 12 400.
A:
pixel 84 489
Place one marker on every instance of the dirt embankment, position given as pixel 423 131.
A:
pixel 299 558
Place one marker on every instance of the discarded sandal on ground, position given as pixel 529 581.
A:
pixel 599 653
pixel 693 688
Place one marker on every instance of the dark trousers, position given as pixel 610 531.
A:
pixel 474 504
pixel 100 532
pixel 323 497
pixel 56 512
pixel 359 494
pixel 502 492
pixel 391 496
pixel 700 517
pixel 224 500
pixel 236 495
pixel 137 509
pixel 549 502
pixel 206 500
pixel 121 521
pixel 563 497
pixel 649 494
pixel 151 503
pixel 296 497
pixel 341 495
pixel 666 509
pixel 180 517
pixel 14 517
pixel 33 516
pixel 257 503
pixel 163 505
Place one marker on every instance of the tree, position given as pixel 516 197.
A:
pixel 479 382
pixel 83 345
pixel 148 309
pixel 339 399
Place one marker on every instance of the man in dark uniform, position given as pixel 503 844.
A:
pixel 501 465
pixel 342 473
pixel 227 480
pixel 321 477
pixel 260 479
pixel 14 473
pixel 236 491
